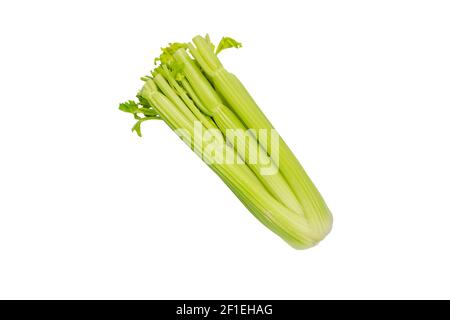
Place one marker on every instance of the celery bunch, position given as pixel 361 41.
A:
pixel 213 113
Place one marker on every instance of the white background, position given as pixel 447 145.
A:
pixel 358 89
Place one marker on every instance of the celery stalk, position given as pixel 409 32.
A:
pixel 226 119
pixel 202 102
pixel 238 98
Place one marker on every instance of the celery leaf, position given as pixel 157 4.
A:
pixel 226 43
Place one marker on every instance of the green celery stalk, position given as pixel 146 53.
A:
pixel 238 98
pixel 197 96
pixel 225 119
pixel 241 180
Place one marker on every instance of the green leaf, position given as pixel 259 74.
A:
pixel 129 106
pixel 148 112
pixel 145 78
pixel 226 43
pixel 137 126
pixel 166 56
pixel 133 108
pixel 143 102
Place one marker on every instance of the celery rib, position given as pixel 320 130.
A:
pixel 197 96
